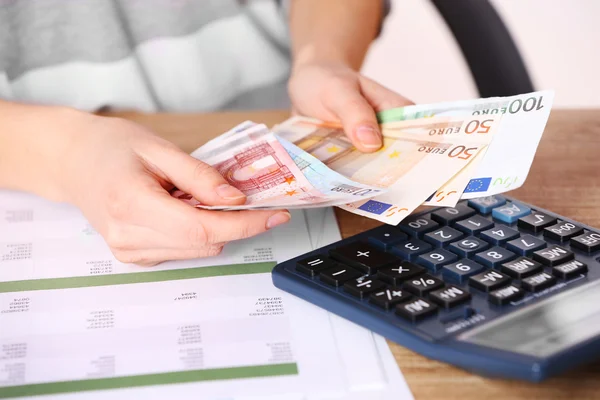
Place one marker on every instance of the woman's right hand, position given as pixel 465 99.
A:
pixel 119 174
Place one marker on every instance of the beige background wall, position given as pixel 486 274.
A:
pixel 559 40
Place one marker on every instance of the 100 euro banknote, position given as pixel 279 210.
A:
pixel 508 159
pixel 418 156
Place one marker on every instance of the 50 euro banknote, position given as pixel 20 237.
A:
pixel 253 160
pixel 508 159
pixel 418 157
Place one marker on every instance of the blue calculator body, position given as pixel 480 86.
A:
pixel 495 286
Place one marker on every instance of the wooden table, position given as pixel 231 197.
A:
pixel 564 178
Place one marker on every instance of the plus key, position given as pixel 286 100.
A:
pixel 363 256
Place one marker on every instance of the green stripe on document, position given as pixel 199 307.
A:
pixel 149 380
pixel 136 277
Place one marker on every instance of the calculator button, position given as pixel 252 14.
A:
pixel 499 234
pixel 521 267
pixel 485 204
pixel 505 295
pixel 489 280
pixel 388 298
pixel 399 273
pixel 443 236
pixel 434 260
pixel 386 236
pixel 589 242
pixel 468 246
pixel 494 257
pixel 312 265
pixel 363 286
pixel 460 271
pixel 337 276
pixel 449 296
pixel 538 282
pixel 418 225
pixel 510 212
pixel 525 245
pixel 363 256
pixel 410 249
pixel 473 225
pixel 563 231
pixel 553 255
pixel 422 284
pixel 447 215
pixel 536 221
pixel 416 310
pixel 570 270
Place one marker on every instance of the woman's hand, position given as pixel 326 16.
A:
pixel 333 91
pixel 119 174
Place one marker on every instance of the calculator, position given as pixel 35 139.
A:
pixel 493 285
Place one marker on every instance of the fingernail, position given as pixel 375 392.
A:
pixel 368 137
pixel 228 192
pixel 278 219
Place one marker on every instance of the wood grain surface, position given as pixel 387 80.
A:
pixel 564 178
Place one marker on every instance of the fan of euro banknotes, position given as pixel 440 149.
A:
pixel 434 154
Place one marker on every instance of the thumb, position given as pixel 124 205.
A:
pixel 357 117
pixel 195 177
pixel 380 97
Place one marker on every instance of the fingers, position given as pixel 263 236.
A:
pixel 380 97
pixel 346 101
pixel 195 177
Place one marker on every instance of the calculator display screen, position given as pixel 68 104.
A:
pixel 545 328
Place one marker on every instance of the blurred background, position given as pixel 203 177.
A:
pixel 559 42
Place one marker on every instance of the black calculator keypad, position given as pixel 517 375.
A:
pixel 443 236
pixel 521 267
pixel 436 259
pixel 525 245
pixel 562 231
pixel 474 225
pixel 588 242
pixel 417 226
pixel 362 256
pixel 397 274
pixel 448 215
pixel 505 295
pixel 311 266
pixel 570 269
pixel 468 246
pixel 538 282
pixel 494 257
pixel 416 309
pixel 499 234
pixel 411 249
pixel 423 284
pixel 489 280
pixel 536 221
pixel 389 297
pixel 450 296
pixel 387 236
pixel 553 255
pixel 363 286
pixel 339 275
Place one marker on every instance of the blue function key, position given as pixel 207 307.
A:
pixel 460 271
pixel 418 225
pixel 510 212
pixel 434 260
pixel 494 257
pixel 474 225
pixel 499 234
pixel 468 246
pixel 536 221
pixel 386 236
pixel 525 245
pixel 410 249
pixel 484 205
pixel 443 236
pixel 562 231
pixel 448 215
pixel 589 242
